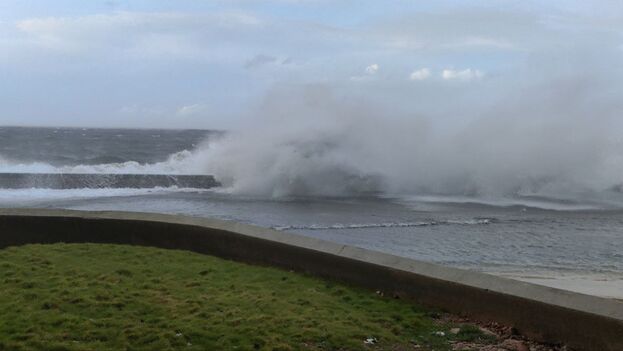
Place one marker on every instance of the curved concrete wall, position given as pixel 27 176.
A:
pixel 547 314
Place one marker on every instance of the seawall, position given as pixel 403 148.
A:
pixel 98 181
pixel 546 314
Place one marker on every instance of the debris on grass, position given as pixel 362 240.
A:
pixel 370 341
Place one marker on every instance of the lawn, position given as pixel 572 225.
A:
pixel 115 297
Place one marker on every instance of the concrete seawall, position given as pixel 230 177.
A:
pixel 99 181
pixel 546 314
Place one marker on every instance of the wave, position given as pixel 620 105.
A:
pixel 306 169
pixel 14 197
pixel 313 142
pixel 524 202
pixel 182 162
pixel 475 221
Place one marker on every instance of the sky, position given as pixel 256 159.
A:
pixel 211 64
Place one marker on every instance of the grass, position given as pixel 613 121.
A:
pixel 114 297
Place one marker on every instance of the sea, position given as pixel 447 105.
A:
pixel 564 243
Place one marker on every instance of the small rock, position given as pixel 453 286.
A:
pixel 455 330
pixel 439 333
pixel 415 344
pixel 514 345
pixel 487 331
pixel 491 348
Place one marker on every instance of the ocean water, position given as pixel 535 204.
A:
pixel 572 243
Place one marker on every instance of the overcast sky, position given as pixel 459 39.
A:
pixel 209 64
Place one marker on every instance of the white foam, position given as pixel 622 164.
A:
pixel 24 196
pixel 503 202
pixel 475 221
pixel 182 162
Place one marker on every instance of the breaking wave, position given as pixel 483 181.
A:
pixel 306 144
pixel 475 221
pixel 182 162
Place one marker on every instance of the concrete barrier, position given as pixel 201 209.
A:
pixel 582 322
pixel 100 181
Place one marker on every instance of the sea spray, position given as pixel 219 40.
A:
pixel 307 143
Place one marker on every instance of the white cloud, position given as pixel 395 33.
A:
pixel 137 33
pixel 462 75
pixel 372 69
pixel 420 74
pixel 463 29
pixel 475 42
pixel 192 110
pixel 369 73
pixel 65 64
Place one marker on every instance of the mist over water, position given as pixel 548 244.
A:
pixel 560 138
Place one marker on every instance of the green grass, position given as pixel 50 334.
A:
pixel 114 297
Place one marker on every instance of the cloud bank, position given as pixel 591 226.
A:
pixel 161 56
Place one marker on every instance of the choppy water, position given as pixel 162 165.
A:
pixel 568 243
